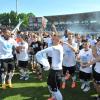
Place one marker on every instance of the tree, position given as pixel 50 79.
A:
pixel 25 18
pixel 14 18
pixel 4 19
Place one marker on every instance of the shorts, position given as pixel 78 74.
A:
pixel 55 79
pixel 96 77
pixel 7 65
pixel 71 70
pixel 84 76
pixel 23 64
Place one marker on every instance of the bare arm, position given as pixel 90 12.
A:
pixel 73 48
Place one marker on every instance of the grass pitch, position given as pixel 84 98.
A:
pixel 34 89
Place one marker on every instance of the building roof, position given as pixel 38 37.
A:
pixel 71 17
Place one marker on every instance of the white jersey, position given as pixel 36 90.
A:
pixel 92 42
pixel 64 39
pixel 85 57
pixel 23 54
pixel 97 66
pixel 6 48
pixel 57 57
pixel 69 55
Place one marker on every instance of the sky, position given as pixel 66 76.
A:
pixel 50 7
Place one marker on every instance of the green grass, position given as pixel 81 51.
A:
pixel 33 89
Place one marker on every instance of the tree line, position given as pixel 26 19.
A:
pixel 11 19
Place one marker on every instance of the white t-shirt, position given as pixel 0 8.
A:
pixel 57 57
pixel 6 48
pixel 64 39
pixel 85 57
pixel 92 42
pixel 97 66
pixel 69 55
pixel 23 55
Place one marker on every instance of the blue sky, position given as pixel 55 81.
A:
pixel 50 7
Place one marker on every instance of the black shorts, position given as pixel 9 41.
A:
pixel 7 65
pixel 84 76
pixel 55 79
pixel 23 64
pixel 96 77
pixel 50 60
pixel 71 70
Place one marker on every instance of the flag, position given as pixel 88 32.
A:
pixel 17 27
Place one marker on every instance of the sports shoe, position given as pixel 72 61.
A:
pixel 9 84
pixel 73 85
pixel 34 71
pixel 40 77
pixel 21 77
pixel 63 85
pixel 52 98
pixel 98 98
pixel 86 89
pixel 3 86
pixel 83 86
pixel 26 78
pixel 67 77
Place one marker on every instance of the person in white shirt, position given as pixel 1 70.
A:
pixel 84 57
pixel 96 68
pixel 22 57
pixel 92 41
pixel 55 73
pixel 69 60
pixel 6 56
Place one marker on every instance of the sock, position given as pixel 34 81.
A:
pixel 49 88
pixel 82 81
pixel 22 73
pixel 57 95
pixel 3 76
pixel 87 83
pixel 10 77
pixel 74 78
pixel 26 72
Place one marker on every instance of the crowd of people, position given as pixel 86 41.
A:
pixel 61 55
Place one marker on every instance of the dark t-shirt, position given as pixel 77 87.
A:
pixel 36 46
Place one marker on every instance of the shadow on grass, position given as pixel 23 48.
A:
pixel 33 93
pixel 32 89
pixel 41 93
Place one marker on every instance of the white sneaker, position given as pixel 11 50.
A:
pixel 26 78
pixel 86 89
pixel 98 98
pixel 22 77
pixel 83 86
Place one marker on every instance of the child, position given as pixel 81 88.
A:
pixel 84 57
pixel 22 57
